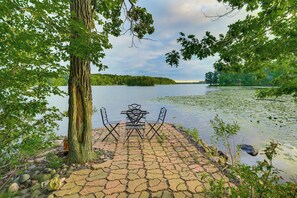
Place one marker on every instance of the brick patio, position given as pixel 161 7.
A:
pixel 142 168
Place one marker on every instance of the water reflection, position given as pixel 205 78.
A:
pixel 116 98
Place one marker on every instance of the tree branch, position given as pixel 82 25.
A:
pixel 218 16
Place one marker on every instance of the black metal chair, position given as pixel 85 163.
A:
pixel 155 126
pixel 110 126
pixel 135 122
pixel 134 106
pixel 131 107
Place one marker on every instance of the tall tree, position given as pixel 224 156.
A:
pixel 85 15
pixel 265 41
pixel 36 37
pixel 79 88
pixel 31 48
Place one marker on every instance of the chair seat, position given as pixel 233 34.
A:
pixel 135 125
pixel 113 122
pixel 152 121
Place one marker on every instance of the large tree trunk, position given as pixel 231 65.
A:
pixel 80 94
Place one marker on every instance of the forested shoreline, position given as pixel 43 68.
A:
pixel 110 79
pixel 241 79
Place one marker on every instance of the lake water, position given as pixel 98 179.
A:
pixel 117 98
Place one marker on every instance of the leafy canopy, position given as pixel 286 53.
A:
pixel 264 42
pixel 35 46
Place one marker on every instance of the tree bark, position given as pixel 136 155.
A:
pixel 80 93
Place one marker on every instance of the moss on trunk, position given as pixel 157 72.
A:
pixel 80 93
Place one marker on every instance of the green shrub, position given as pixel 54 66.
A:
pixel 7 195
pixel 195 134
pixel 191 132
pixel 225 133
pixel 54 161
pixel 261 180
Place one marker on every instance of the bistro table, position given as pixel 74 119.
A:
pixel 135 121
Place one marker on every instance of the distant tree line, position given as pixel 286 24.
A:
pixel 240 79
pixel 110 79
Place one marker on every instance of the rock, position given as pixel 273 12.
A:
pixel 35 187
pixel 35 177
pixel 55 184
pixel 39 168
pixel 214 159
pixel 53 172
pixel 42 177
pixel 35 172
pixel 51 196
pixel 64 166
pixel 33 182
pixel 47 170
pixel 58 142
pixel 25 191
pixel 28 182
pixel 63 179
pixel 33 166
pixel 14 187
pixel 223 155
pixel 24 178
pixel 16 180
pixel 31 161
pixel 45 177
pixel 249 149
pixel 44 184
pixel 68 173
pixel 27 171
pixel 36 193
pixel 56 176
pixel 39 160
pixel 222 161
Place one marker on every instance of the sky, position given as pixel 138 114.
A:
pixel 170 18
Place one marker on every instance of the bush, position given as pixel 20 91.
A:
pixel 261 180
pixel 225 133
pixel 54 161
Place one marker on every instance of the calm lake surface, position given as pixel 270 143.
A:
pixel 117 98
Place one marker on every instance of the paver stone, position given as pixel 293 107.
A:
pixel 137 185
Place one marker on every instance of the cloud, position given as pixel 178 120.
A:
pixel 170 18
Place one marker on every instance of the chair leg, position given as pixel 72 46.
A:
pixel 114 128
pixel 152 126
pixel 156 132
pixel 139 133
pixel 129 133
pixel 110 132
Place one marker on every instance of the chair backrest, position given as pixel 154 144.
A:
pixel 134 106
pixel 135 115
pixel 104 116
pixel 162 115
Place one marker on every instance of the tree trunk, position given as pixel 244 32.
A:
pixel 80 93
